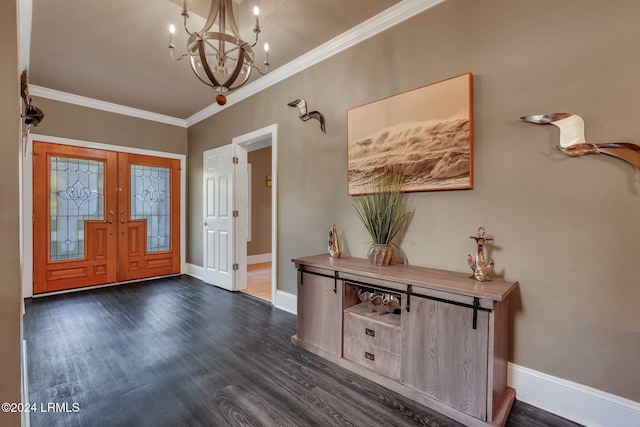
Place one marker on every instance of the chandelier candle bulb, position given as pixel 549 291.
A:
pixel 256 12
pixel 172 31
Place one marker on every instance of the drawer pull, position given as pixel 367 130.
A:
pixel 369 356
pixel 370 332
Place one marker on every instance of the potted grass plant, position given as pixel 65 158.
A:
pixel 384 213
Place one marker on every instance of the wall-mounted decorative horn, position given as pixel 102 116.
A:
pixel 32 115
pixel 573 142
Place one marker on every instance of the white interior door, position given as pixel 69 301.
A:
pixel 223 258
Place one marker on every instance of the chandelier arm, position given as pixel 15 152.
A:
pixel 255 67
pixel 186 30
pixel 177 58
pixel 205 64
pixel 184 22
pixel 255 42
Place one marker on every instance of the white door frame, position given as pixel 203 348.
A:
pixel 27 199
pixel 244 142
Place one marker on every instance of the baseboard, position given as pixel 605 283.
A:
pixel 195 271
pixel 286 301
pixel 258 259
pixel 26 420
pixel 579 403
pixel 108 285
pixel 198 272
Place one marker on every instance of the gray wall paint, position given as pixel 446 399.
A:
pixel 563 227
pixel 10 289
pixel 88 124
pixel 260 161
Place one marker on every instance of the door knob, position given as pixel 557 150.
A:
pixel 204 223
pixel 122 221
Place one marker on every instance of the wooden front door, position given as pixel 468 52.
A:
pixel 101 217
pixel 148 220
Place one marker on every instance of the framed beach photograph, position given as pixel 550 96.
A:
pixel 426 134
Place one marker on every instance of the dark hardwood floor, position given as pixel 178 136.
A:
pixel 178 352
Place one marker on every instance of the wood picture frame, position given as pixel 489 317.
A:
pixel 425 133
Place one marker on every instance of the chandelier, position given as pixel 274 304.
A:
pixel 220 59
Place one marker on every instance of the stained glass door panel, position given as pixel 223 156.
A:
pixel 151 201
pixel 74 217
pixel 149 225
pixel 77 195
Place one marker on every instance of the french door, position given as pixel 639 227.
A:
pixel 101 217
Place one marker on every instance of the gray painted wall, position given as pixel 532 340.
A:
pixel 87 124
pixel 10 288
pixel 565 228
pixel 260 161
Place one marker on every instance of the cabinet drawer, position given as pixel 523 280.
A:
pixel 372 332
pixel 372 357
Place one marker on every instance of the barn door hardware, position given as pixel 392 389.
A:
pixel 475 306
pixel 302 270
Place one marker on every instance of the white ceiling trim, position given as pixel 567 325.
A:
pixel 25 12
pixel 381 22
pixel 70 98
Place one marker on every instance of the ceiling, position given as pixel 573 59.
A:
pixel 117 50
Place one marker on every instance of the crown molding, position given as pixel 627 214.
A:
pixel 384 20
pixel 70 98
pixel 25 13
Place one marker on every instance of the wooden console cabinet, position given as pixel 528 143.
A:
pixel 445 347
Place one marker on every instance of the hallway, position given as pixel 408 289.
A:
pixel 259 281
